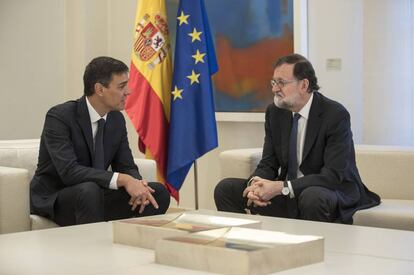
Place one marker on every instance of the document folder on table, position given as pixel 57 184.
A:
pixel 240 251
pixel 145 231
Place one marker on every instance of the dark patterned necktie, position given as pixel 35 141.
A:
pixel 293 156
pixel 99 148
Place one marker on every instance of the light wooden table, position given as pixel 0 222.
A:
pixel 88 249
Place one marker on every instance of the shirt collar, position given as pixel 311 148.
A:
pixel 93 114
pixel 304 112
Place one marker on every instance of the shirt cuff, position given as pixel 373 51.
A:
pixel 291 194
pixel 250 181
pixel 114 179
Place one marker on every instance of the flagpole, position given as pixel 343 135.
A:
pixel 195 185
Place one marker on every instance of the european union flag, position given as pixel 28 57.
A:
pixel 193 130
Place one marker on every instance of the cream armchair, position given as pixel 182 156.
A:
pixel 386 170
pixel 18 160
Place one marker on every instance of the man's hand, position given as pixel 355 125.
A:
pixel 251 192
pixel 267 189
pixel 261 191
pixel 140 192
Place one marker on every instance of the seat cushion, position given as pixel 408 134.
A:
pixel 38 222
pixel 14 200
pixel 395 214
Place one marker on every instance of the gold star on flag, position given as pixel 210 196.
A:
pixel 193 77
pixel 198 57
pixel 195 35
pixel 177 93
pixel 183 18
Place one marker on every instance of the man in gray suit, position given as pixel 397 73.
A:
pixel 80 140
pixel 308 168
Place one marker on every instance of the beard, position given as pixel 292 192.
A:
pixel 283 104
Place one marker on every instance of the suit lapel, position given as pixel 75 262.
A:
pixel 314 123
pixel 84 121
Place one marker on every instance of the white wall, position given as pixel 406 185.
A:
pixel 45 45
pixel 388 72
pixel 375 41
pixel 335 32
pixel 31 58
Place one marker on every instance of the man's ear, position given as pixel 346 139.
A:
pixel 99 89
pixel 304 86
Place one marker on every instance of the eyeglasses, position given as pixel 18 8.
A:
pixel 280 82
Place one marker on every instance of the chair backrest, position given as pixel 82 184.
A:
pixel 387 170
pixel 239 162
pixel 147 169
pixel 23 153
pixel 20 153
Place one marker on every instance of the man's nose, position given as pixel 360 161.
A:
pixel 275 88
pixel 127 90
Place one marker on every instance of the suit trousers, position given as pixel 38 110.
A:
pixel 314 203
pixel 88 202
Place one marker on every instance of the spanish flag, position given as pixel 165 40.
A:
pixel 148 105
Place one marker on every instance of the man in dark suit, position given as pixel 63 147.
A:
pixel 308 168
pixel 80 140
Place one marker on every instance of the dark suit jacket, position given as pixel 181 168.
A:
pixel 66 153
pixel 328 155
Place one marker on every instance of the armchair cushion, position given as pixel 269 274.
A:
pixel 391 213
pixel 18 161
pixel 239 163
pixel 22 153
pixel 14 200
pixel 386 170
pixel 147 169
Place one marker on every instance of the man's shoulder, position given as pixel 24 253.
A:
pixel 330 106
pixel 65 106
pixel 67 109
pixel 116 116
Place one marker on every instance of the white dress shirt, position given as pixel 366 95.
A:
pixel 94 116
pixel 302 123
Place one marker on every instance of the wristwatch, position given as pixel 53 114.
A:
pixel 285 189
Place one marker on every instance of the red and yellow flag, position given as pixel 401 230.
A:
pixel 148 105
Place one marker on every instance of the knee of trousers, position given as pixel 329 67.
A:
pixel 229 191
pixel 161 195
pixel 90 194
pixel 223 188
pixel 314 199
pixel 220 189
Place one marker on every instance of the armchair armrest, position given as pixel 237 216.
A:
pixel 239 163
pixel 147 169
pixel 14 200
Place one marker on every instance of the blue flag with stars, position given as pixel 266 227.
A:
pixel 193 130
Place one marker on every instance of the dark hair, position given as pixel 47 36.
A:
pixel 100 70
pixel 303 69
